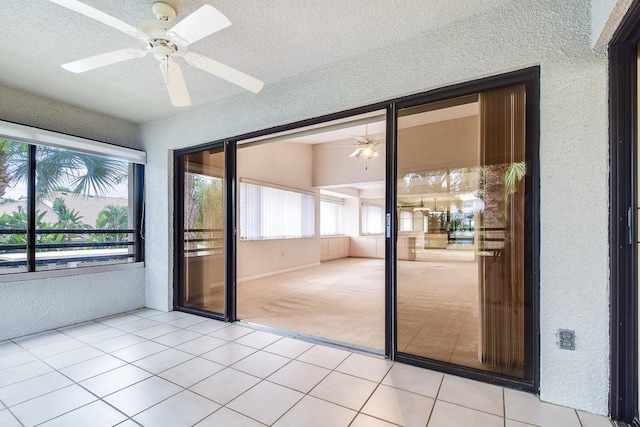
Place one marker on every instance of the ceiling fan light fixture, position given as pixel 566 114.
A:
pixel 164 11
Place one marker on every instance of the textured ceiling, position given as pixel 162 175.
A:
pixel 271 40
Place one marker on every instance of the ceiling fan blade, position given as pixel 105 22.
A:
pixel 224 71
pixel 176 86
pixel 201 23
pixel 97 61
pixel 356 152
pixel 101 16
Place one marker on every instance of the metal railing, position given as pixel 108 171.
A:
pixel 15 255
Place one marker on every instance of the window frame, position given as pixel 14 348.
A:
pixel 34 138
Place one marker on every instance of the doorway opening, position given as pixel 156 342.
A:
pixel 311 215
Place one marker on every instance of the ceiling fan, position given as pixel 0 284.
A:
pixel 366 146
pixel 166 41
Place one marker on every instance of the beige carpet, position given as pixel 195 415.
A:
pixel 340 300
pixel 343 300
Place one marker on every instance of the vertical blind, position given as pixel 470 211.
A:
pixel 273 213
pixel 372 219
pixel 331 218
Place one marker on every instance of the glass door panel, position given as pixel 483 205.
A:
pixel 460 194
pixel 203 262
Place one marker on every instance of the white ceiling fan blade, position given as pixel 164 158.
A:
pixel 101 16
pixel 201 23
pixel 97 61
pixel 176 86
pixel 356 152
pixel 224 71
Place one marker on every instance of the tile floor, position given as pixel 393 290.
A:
pixel 174 369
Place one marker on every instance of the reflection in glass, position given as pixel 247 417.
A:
pixel 204 231
pixel 461 174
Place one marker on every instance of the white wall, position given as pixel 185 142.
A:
pixel 33 306
pixel 574 277
pixel 288 165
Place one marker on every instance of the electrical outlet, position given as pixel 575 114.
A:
pixel 566 339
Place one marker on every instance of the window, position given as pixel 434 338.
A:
pixel 406 221
pixel 331 218
pixel 372 219
pixel 63 208
pixel 273 213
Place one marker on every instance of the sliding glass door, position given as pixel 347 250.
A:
pixel 408 228
pixel 203 262
pixel 461 178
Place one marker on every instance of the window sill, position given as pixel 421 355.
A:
pixel 36 275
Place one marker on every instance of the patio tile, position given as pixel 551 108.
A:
pixel 447 414
pixel 225 417
pixel 225 385
pixel 414 379
pixel 201 345
pixel 299 376
pixel 33 387
pixel 43 338
pixel 191 372
pixel 56 347
pixel 312 412
pixel 73 357
pixel 178 337
pixel 44 408
pixel 207 326
pixel 8 420
pixel 258 339
pixel 23 372
pixel 327 357
pixel 266 402
pixel 344 390
pixel 472 394
pixel 139 351
pixel 231 332
pixel 525 407
pixel 181 410
pixel 117 379
pixel 96 414
pixel 261 364
pixel 368 367
pixel 16 358
pixel 91 368
pixel 289 347
pixel 162 361
pixel 140 396
pixel 399 407
pixel 229 354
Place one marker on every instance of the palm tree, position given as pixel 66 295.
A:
pixel 113 217
pixel 68 219
pixel 83 173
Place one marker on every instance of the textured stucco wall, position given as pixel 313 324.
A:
pixel 574 277
pixel 30 110
pixel 33 306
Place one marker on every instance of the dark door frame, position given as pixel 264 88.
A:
pixel 623 136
